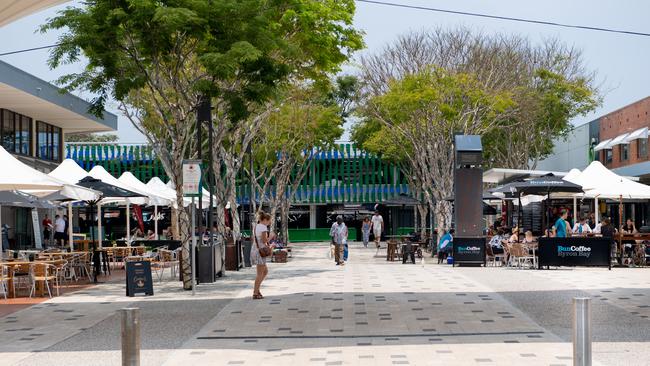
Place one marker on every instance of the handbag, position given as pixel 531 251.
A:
pixel 264 251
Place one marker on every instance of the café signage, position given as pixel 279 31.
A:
pixel 138 278
pixel 469 251
pixel 575 251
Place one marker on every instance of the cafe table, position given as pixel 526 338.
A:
pixel 12 264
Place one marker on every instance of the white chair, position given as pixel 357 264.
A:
pixel 4 280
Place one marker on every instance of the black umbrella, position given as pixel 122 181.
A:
pixel 107 191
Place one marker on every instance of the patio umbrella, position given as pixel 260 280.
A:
pixel 545 186
pixel 108 192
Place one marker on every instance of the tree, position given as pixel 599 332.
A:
pixel 304 123
pixel 425 110
pixel 159 59
pixel 500 62
pixel 91 137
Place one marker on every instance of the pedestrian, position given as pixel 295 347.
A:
pixel 59 230
pixel 377 227
pixel 339 234
pixel 261 239
pixel 47 230
pixel 365 230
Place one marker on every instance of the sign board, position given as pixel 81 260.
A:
pixel 192 178
pixel 138 278
pixel 36 224
pixel 572 252
pixel 469 250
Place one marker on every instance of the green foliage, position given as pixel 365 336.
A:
pixel 90 137
pixel 245 48
pixel 543 113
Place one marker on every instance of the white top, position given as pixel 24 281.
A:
pixel 585 228
pixel 59 225
pixel 339 233
pixel 377 221
pixel 597 228
pixel 259 229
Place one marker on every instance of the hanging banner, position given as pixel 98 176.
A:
pixel 137 209
pixel 36 224
pixel 192 178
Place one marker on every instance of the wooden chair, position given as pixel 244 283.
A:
pixel 519 254
pixel 60 272
pixel 44 273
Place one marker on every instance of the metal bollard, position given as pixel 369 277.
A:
pixel 130 336
pixel 581 331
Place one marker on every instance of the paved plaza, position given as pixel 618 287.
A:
pixel 369 312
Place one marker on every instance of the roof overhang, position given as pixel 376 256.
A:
pixel 26 94
pixel 501 175
pixel 11 10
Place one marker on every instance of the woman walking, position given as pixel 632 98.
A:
pixel 365 230
pixel 261 241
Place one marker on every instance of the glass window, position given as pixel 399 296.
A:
pixel 25 135
pixel 623 150
pixel 642 148
pixel 8 129
pixel 48 141
pixel 608 156
pixel 16 132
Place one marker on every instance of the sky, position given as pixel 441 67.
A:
pixel 620 61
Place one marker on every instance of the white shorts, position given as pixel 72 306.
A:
pixel 377 234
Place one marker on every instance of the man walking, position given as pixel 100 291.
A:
pixel 339 234
pixel 377 227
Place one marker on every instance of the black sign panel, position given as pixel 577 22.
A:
pixel 138 278
pixel 575 251
pixel 469 251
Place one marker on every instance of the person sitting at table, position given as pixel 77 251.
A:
pixel 514 237
pixel 529 238
pixel 136 234
pixel 630 229
pixel 497 242
pixel 445 245
pixel 151 235
pixel 581 227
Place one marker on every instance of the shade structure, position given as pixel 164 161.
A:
pixel 98 172
pixel 69 171
pixel 600 182
pixel 544 186
pixel 159 188
pixel 136 185
pixel 15 199
pixel 19 176
pixel 107 190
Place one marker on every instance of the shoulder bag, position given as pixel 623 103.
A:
pixel 264 251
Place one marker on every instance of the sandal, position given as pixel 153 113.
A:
pixel 257 297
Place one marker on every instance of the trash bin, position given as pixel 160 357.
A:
pixel 246 245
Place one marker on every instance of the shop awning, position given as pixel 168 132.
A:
pixel 620 140
pixel 604 145
pixel 641 133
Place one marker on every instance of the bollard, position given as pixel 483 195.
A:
pixel 581 331
pixel 130 336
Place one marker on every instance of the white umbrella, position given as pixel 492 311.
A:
pixel 19 176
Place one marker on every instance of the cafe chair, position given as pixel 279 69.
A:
pixel 4 280
pixel 20 276
pixel 60 270
pixel 44 273
pixel 493 258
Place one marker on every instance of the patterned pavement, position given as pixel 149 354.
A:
pixel 369 312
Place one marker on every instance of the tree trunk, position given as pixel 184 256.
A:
pixel 184 227
pixel 422 212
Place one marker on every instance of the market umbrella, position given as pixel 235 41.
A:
pixel 545 186
pixel 108 192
